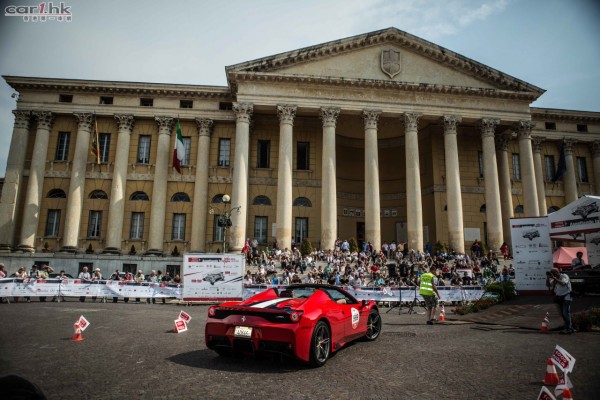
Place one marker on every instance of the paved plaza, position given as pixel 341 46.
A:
pixel 129 351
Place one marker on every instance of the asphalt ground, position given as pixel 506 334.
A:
pixel 129 351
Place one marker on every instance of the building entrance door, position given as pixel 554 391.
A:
pixel 360 234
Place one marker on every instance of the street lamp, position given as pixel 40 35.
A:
pixel 224 219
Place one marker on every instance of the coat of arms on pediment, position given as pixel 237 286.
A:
pixel 390 62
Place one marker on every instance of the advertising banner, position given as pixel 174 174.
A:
pixel 532 252
pixel 213 277
pixel 592 243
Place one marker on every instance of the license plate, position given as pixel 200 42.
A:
pixel 243 331
pixel 576 280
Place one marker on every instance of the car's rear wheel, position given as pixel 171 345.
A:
pixel 320 346
pixel 373 325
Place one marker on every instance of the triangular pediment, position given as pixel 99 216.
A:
pixel 389 56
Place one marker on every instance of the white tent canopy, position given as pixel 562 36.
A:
pixel 571 222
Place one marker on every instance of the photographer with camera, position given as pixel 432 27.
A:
pixel 561 286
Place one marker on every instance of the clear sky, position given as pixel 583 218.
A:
pixel 553 44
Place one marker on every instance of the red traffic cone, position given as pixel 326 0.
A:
pixel 77 336
pixel 442 314
pixel 567 394
pixel 551 374
pixel 545 322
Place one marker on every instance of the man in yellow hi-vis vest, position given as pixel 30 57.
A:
pixel 428 290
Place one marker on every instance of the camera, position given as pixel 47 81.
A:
pixel 548 273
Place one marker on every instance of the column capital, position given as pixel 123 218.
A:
pixel 84 121
pixel 22 119
pixel 165 124
pixel 450 122
pixel 568 146
pixel 488 126
pixel 243 111
pixel 286 113
pixel 44 119
pixel 523 128
pixel 596 148
pixel 204 126
pixel 125 122
pixel 329 116
pixel 537 142
pixel 502 142
pixel 411 120
pixel 371 117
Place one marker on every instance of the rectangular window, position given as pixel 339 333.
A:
pixel 144 102
pixel 260 229
pixel 516 166
pixel 104 146
pixel 263 153
pixel 143 153
pixel 582 128
pixel 137 226
pixel 178 227
pixel 65 98
pixel 186 103
pixel 218 230
pixel 480 164
pixel 224 152
pixel 106 100
pixel 301 230
pixel 62 146
pixel 582 170
pixel 302 156
pixel 130 268
pixel 94 224
pixel 549 168
pixel 173 270
pixel 187 145
pixel 551 126
pixel 225 106
pixel 52 223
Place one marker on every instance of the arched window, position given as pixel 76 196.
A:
pixel 261 201
pixel 180 196
pixel 56 194
pixel 553 209
pixel 218 198
pixel 519 209
pixel 482 209
pixel 98 194
pixel 139 196
pixel 302 202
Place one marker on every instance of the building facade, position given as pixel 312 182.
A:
pixel 381 137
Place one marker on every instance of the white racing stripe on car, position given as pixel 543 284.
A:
pixel 266 304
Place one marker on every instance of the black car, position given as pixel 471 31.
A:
pixel 212 278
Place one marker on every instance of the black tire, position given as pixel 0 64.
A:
pixel 320 344
pixel 373 325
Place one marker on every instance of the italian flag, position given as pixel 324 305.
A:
pixel 179 150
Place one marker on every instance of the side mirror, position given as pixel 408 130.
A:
pixel 365 303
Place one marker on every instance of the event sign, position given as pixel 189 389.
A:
pixel 545 394
pixel 532 255
pixel 83 323
pixel 185 316
pixel 563 359
pixel 180 325
pixel 213 276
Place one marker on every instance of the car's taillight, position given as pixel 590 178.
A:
pixel 212 311
pixel 295 316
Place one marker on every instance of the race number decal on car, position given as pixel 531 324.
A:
pixel 355 317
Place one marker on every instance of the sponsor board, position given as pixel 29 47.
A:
pixel 213 277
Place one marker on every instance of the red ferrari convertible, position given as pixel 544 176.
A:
pixel 306 321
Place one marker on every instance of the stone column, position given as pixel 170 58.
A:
pixel 77 183
pixel 596 164
pixel 372 200
pixel 13 180
pixel 329 117
pixel 200 207
pixel 530 198
pixel 414 207
pixel 239 191
pixel 506 203
pixel 116 210
pixel 35 185
pixel 286 114
pixel 456 235
pixel 492 193
pixel 570 179
pixel 159 188
pixel 539 175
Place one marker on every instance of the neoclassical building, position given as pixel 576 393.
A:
pixel 382 136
